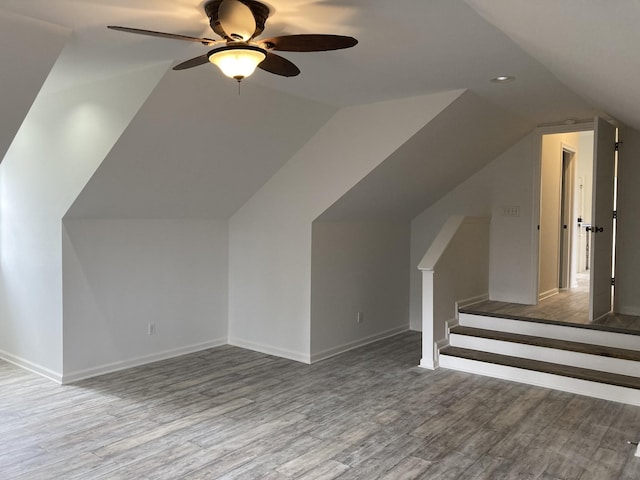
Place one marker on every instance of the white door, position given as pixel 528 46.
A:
pixel 602 219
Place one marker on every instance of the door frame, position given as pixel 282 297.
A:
pixel 537 178
pixel 566 261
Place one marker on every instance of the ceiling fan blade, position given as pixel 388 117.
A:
pixel 309 43
pixel 194 62
pixel 236 19
pixel 279 65
pixel 174 36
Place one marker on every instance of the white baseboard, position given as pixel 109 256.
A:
pixel 448 325
pixel 634 311
pixel 429 364
pixel 270 350
pixel 470 301
pixel 138 361
pixel 331 352
pixel 440 344
pixel 548 293
pixel 31 367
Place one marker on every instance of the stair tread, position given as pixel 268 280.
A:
pixel 470 310
pixel 545 367
pixel 599 350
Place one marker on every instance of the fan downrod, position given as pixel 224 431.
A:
pixel 260 13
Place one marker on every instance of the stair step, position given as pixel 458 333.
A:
pixel 552 330
pixel 586 348
pixel 470 310
pixel 544 367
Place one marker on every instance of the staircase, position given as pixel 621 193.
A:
pixel 595 361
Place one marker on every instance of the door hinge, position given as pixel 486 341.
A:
pixel 615 214
pixel 617 146
pixel 613 281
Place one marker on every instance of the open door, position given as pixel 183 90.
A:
pixel 602 219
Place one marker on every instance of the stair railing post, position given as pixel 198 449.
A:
pixel 429 348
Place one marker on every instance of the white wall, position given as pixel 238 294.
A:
pixel 270 236
pixel 627 300
pixel 357 267
pixel 62 141
pixel 120 275
pixel 506 182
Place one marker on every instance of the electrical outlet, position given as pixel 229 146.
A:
pixel 360 317
pixel 151 329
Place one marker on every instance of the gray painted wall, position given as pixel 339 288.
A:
pixel 357 267
pixel 120 275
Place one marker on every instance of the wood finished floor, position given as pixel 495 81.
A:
pixel 571 305
pixel 367 414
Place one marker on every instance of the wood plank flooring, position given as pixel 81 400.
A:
pixel 228 413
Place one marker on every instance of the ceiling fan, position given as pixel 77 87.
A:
pixel 238 54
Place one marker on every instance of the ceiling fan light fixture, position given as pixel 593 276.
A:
pixel 237 61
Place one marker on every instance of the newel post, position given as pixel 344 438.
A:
pixel 429 348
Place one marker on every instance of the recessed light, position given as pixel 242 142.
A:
pixel 503 79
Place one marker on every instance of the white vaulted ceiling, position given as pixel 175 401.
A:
pixel 199 152
pixel 590 45
pixel 197 149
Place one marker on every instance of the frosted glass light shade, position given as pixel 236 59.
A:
pixel 237 61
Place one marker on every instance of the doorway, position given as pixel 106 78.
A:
pixel 565 212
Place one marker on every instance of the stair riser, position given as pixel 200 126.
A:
pixel 559 332
pixel 545 354
pixel 567 384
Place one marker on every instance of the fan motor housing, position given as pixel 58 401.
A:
pixel 260 13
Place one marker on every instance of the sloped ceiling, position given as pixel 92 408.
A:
pixel 461 140
pixel 195 141
pixel 591 46
pixel 200 151
pixel 23 74
pixel 406 48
